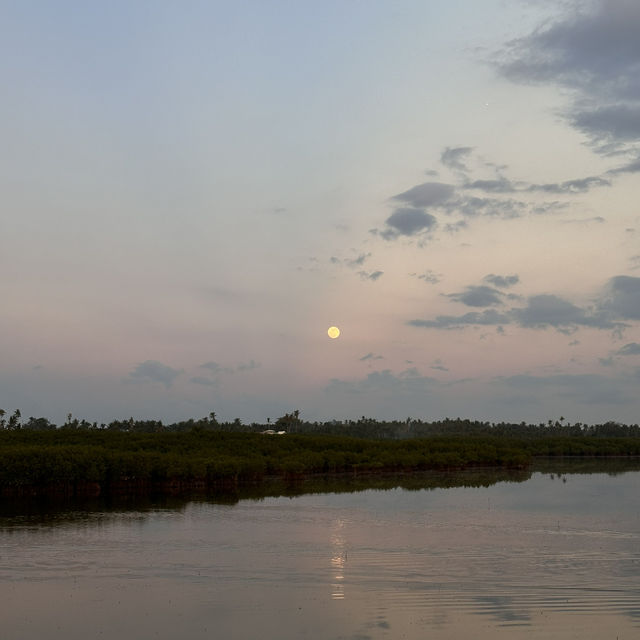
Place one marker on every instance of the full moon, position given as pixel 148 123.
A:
pixel 333 332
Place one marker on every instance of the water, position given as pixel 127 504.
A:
pixel 553 556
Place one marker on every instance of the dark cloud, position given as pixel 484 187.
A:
pixel 595 53
pixel 473 207
pixel 351 263
pixel 456 226
pixel 622 297
pixel 459 200
pixel 501 185
pixel 546 310
pixel 504 185
pixel 370 275
pixel 154 371
pixel 630 349
pixel 407 222
pixel 428 194
pixel 359 261
pixel 429 276
pixel 478 296
pixel 487 317
pixel 630 167
pixel 543 310
pixel 454 157
pixel 502 281
pixel 580 185
pixel 552 311
pixel 613 122
pixel 370 356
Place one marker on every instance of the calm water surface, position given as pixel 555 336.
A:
pixel 551 557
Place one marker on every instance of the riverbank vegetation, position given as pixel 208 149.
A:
pixel 81 458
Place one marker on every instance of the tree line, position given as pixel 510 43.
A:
pixel 361 428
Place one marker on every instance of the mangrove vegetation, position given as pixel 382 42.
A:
pixel 77 458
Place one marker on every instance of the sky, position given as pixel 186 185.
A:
pixel 193 192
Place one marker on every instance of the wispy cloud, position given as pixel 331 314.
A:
pixel 370 356
pixel 429 276
pixel 154 371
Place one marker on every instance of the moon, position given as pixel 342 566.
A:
pixel 333 332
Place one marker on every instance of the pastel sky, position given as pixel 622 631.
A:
pixel 193 192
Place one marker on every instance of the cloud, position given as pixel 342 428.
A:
pixel 579 185
pixel 630 167
pixel 154 371
pixel 504 185
pixel 408 222
pixel 216 368
pixel 473 207
pixel 249 366
pixel 408 382
pixel 487 317
pixel 370 356
pixel 429 276
pixel 501 185
pixel 622 301
pixel 453 157
pixel 595 53
pixel 492 198
pixel 478 296
pixel 438 365
pixel 203 381
pixel 359 261
pixel 622 297
pixel 502 281
pixel 630 349
pixel 617 122
pixel 585 389
pixel 373 275
pixel 549 310
pixel 425 195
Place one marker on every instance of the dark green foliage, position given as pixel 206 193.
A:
pixel 35 456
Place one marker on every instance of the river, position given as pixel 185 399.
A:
pixel 550 554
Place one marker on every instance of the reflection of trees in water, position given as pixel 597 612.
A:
pixel 569 465
pixel 48 511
